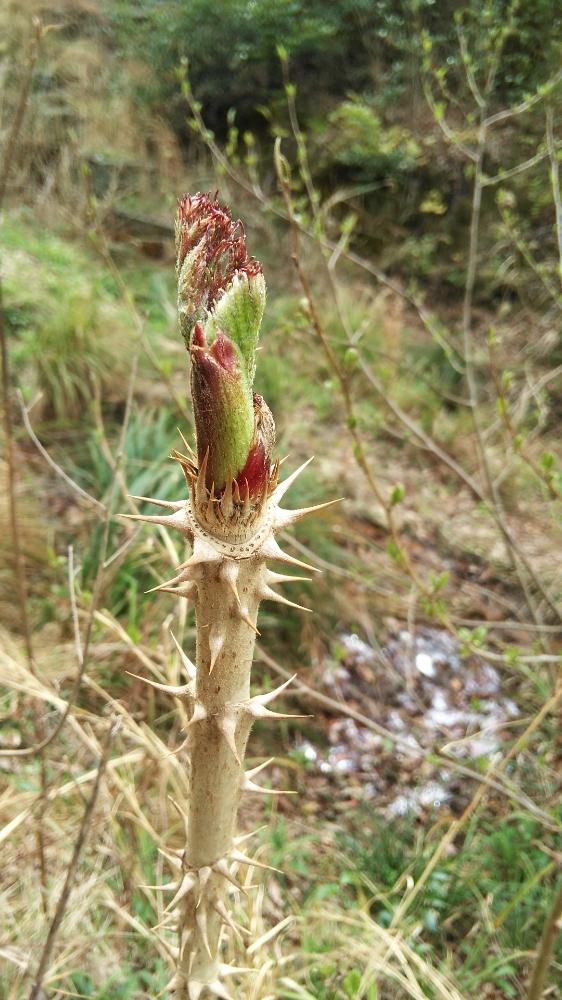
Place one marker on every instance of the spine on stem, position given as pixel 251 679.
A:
pixel 230 518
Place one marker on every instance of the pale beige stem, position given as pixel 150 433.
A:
pixel 225 647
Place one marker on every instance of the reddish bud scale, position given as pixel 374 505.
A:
pixel 255 472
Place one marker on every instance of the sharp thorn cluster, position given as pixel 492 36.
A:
pixel 249 785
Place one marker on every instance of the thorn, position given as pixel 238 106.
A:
pixel 219 990
pixel 248 785
pixel 271 550
pixel 226 724
pixel 188 666
pixel 177 750
pixel 216 643
pixel 174 859
pixel 169 920
pixel 271 577
pixel 186 885
pixel 258 711
pixel 246 836
pixel 166 887
pixel 182 815
pixel 190 966
pixel 211 502
pixel 223 913
pixel 253 771
pixel 204 873
pixel 168 504
pixel 245 617
pixel 177 690
pixel 264 699
pixel 283 518
pixel 198 715
pixel 233 970
pixel 182 577
pixel 243 859
pixel 257 705
pixel 201 921
pixel 282 488
pixel 202 553
pixel 190 452
pixel 172 985
pixel 229 572
pixel 226 499
pixel 200 484
pixel 221 868
pixel 176 520
pixel 189 591
pixel 267 594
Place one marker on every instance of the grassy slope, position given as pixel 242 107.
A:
pixel 347 864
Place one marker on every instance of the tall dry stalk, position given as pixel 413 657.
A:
pixel 230 519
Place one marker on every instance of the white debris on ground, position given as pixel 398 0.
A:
pixel 422 689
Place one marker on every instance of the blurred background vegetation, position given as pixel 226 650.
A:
pixel 416 351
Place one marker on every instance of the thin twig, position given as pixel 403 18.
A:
pixel 73 865
pixel 520 109
pixel 555 181
pixel 552 927
pixel 50 461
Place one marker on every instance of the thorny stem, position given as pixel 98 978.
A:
pixel 227 576
pixel 231 523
